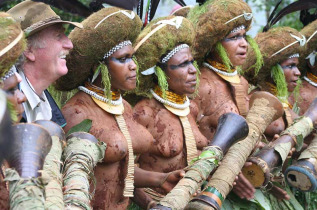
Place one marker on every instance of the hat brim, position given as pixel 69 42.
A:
pixel 45 25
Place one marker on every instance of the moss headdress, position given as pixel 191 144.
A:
pixel 214 20
pixel 159 44
pixel 271 44
pixel 12 42
pixel 102 31
pixel 310 32
pixel 276 46
pixel 183 11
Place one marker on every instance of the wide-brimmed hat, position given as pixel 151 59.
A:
pixel 12 42
pixel 35 16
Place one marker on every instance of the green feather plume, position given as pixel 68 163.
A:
pixel 162 80
pixel 137 71
pixel 13 112
pixel 279 79
pixel 105 80
pixel 259 58
pixel 224 56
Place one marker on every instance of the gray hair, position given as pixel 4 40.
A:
pixel 34 41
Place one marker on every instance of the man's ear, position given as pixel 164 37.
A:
pixel 29 54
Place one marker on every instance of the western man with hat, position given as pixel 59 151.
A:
pixel 43 61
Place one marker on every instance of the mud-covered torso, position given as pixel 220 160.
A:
pixel 111 173
pixel 215 98
pixel 169 149
pixel 308 93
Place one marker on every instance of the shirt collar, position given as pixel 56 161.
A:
pixel 29 93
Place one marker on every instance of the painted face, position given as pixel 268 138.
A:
pixel 181 73
pixel 14 95
pixel 50 57
pixel 122 69
pixel 291 73
pixel 236 47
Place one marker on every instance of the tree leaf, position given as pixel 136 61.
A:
pixel 84 126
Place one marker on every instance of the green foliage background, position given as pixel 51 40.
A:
pixel 291 20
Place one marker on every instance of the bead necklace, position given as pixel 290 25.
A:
pixel 172 99
pixel 98 93
pixel 220 68
pixel 311 79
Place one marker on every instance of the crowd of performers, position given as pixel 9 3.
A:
pixel 187 112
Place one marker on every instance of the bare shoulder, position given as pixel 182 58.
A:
pixel 194 109
pixel 144 111
pixel 77 109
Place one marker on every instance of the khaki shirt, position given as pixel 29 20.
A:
pixel 34 107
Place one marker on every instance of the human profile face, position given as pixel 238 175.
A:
pixel 181 73
pixel 236 47
pixel 14 95
pixel 291 73
pixel 50 55
pixel 122 69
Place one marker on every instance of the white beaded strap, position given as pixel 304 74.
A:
pixel 247 16
pixel 10 73
pixel 296 55
pixel 239 28
pixel 176 22
pixel 129 179
pixel 310 82
pixel 311 36
pixel 191 148
pixel 173 52
pixel 301 41
pixel 100 98
pixel 126 13
pixel 117 47
pixel 171 104
pixel 219 71
pixel 12 44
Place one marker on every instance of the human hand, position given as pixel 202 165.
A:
pixel 242 187
pixel 171 179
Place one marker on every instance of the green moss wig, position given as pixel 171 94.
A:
pixel 102 31
pixel 270 42
pixel 10 33
pixel 211 23
pixel 151 51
